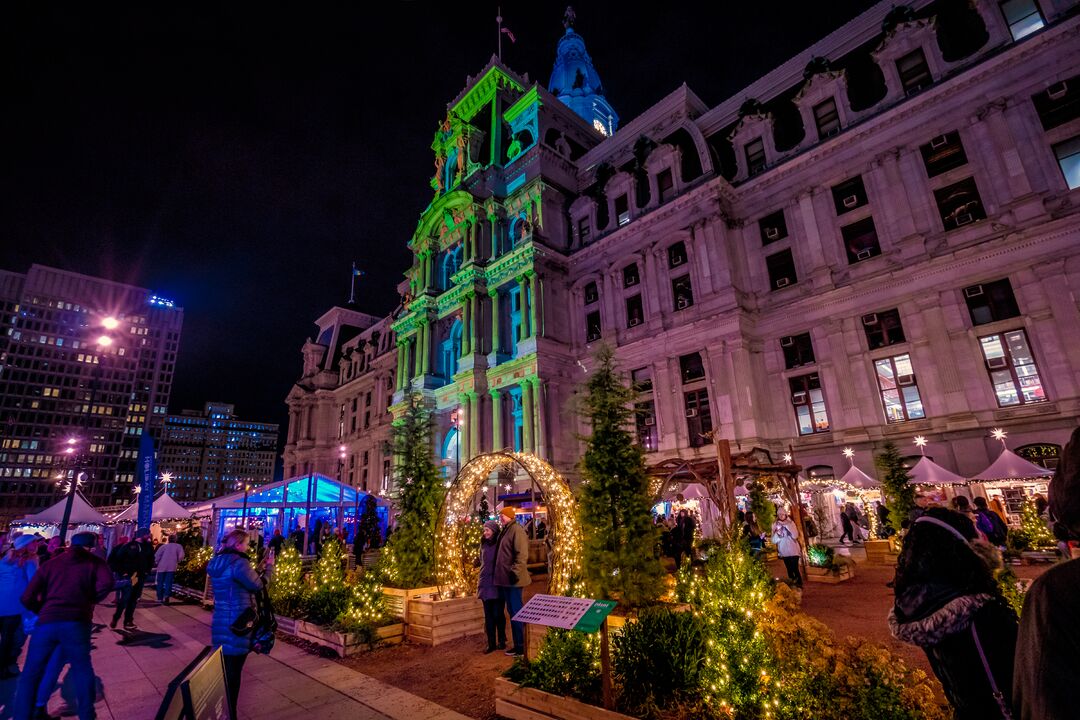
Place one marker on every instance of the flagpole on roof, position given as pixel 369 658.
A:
pixel 498 21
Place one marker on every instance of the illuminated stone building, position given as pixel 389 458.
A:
pixel 875 240
pixel 59 382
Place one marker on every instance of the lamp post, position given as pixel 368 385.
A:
pixel 244 485
pixel 103 341
pixel 341 487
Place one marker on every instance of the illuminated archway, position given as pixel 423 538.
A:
pixel 563 525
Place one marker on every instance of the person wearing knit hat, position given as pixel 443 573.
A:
pixel 512 572
pixel 16 567
pixel 494 619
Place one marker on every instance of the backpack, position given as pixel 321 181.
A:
pixel 991 526
pixel 125 559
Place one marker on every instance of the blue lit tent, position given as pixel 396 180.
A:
pixel 286 505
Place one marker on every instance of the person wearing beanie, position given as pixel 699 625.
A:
pixel 132 563
pixel 1045 684
pixel 63 593
pixel 494 619
pixel 512 572
pixel 16 567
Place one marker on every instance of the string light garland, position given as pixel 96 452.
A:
pixel 563 528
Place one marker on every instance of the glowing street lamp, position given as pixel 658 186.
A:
pixel 104 341
pixel 110 323
pixel 246 487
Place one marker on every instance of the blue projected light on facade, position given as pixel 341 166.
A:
pixel 515 319
pixel 450 351
pixel 517 416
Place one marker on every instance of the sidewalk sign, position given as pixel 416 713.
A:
pixel 198 692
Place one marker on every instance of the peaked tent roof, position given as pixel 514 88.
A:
pixel 82 513
pixel 1010 466
pixel 855 476
pixel 928 472
pixel 164 508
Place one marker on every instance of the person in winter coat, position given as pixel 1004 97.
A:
pixel 785 536
pixel 133 563
pixel 849 529
pixel 168 557
pixel 512 572
pixel 235 583
pixel 494 619
pixel 16 567
pixel 948 603
pixel 1045 683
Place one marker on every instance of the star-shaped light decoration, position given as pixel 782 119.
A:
pixel 920 442
pixel 788 458
pixel 850 455
pixel 166 480
pixel 999 434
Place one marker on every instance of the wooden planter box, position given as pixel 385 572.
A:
pixel 1039 556
pixel 344 644
pixel 518 703
pixel 397 600
pixel 433 622
pixel 826 575
pixel 880 552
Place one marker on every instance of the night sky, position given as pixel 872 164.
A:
pixel 238 158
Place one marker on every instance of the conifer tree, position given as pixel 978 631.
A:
pixel 895 484
pixel 409 557
pixel 367 532
pixel 483 510
pixel 618 555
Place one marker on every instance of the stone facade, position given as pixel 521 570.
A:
pixel 878 239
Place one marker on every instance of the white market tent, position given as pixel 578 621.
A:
pixel 164 509
pixel 928 472
pixel 857 478
pixel 1010 466
pixel 82 513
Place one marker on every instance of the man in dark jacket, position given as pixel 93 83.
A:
pixel 1045 683
pixel 63 593
pixel 132 563
pixel 512 572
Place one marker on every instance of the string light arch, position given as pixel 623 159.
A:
pixel 563 527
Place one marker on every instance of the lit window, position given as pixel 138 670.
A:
pixel 698 417
pixel 598 125
pixel 809 401
pixel 826 118
pixel 1012 368
pixel 755 157
pixel 645 420
pixel 1023 17
pixel 1068 157
pixel 899 392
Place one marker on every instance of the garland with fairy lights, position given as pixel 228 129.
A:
pixel 563 529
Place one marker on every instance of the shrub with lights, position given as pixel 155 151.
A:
pixel 286 584
pixel 191 573
pixel 1033 533
pixel 895 485
pixel 327 595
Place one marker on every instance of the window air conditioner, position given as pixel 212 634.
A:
pixel 783 282
pixel 1056 92
pixel 963 219
pixel 677 260
pixel 691 412
pixel 939 141
pixel 798 398
pixel 997 363
pixel 682 303
pixel 650 421
pixel 870 319
pixel 851 201
pixel 863 254
pixel 973 291
pixel 905 380
pixel 834 131
pixel 634 322
pixel 631 282
pixel 787 341
pixel 772 233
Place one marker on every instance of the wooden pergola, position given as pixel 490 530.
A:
pixel 721 475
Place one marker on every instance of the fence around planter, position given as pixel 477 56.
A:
pixel 521 703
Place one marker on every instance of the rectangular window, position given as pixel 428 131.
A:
pixel 883 328
pixel 592 326
pixel 691 367
pixel 630 275
pixel 1059 103
pixel 635 315
pixel 781 267
pixel 681 292
pixel 1068 157
pixel 642 379
pixel 943 153
pixel 1023 17
pixel 676 254
pixel 809 402
pixel 773 227
pixel 860 240
pixel 584 231
pixel 622 209
pixel 645 419
pixel 899 391
pixel 1012 368
pixel 755 157
pixel 591 293
pixel 698 417
pixel 991 301
pixel 849 195
pixel 665 185
pixel 367 419
pixel 959 204
pixel 914 72
pixel 826 118
pixel 798 350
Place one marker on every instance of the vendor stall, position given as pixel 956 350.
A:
pixel 166 515
pixel 1011 480
pixel 47 522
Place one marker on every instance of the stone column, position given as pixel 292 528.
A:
pixel 533 303
pixel 399 383
pixel 464 415
pixel 538 416
pixel 526 417
pixel 466 323
pixel 474 424
pixel 523 287
pixel 496 419
pixel 494 293
pixel 425 347
pixel 476 318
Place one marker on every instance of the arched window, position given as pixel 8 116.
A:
pixel 451 453
pixel 821 473
pixel 450 169
pixel 451 263
pixel 450 351
pixel 519 228
pixel 1042 454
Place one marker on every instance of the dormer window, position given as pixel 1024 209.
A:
pixel 827 119
pixel 914 72
pixel 755 157
pixel 622 209
pixel 630 275
pixel 592 294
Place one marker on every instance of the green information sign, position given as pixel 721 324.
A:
pixel 569 613
pixel 594 616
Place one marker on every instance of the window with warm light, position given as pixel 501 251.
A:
pixel 698 417
pixel 899 391
pixel 1013 371
pixel 809 401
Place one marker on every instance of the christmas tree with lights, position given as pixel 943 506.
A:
pixel 1034 529
pixel 618 554
pixel 895 485
pixel 287 582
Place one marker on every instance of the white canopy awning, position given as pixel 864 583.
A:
pixel 1010 466
pixel 82 513
pixel 928 472
pixel 164 508
pixel 855 476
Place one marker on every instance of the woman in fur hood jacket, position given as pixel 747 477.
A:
pixel 948 603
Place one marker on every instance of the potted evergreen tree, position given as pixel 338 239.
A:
pixel 899 499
